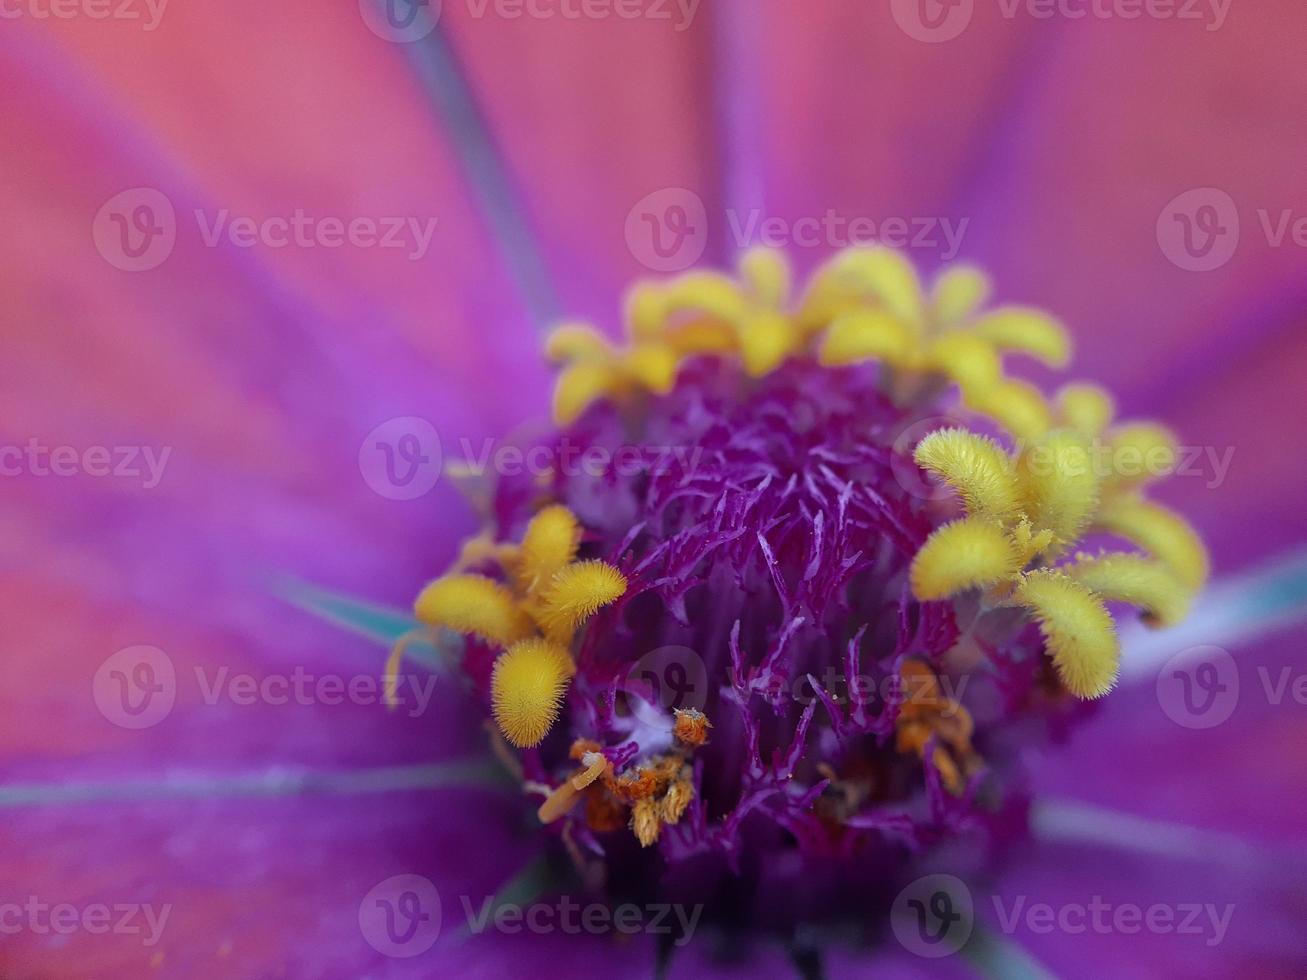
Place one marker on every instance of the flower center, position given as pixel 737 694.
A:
pixel 793 631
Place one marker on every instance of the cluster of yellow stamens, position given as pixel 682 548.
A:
pixel 865 304
pixel 649 796
pixel 533 613
pixel 927 713
pixel 1024 509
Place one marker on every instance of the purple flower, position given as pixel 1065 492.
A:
pixel 200 778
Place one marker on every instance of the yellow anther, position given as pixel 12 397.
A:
pixel 1078 631
pixel 561 800
pixel 1030 543
pixel 646 311
pixel 1161 532
pixel 966 554
pixel 527 688
pixel 580 385
pixel 1142 582
pixel 1017 406
pixel 575 593
pixel 645 822
pixel 1016 328
pixel 473 604
pixel 576 341
pixel 550 542
pixel 1141 452
pixel 677 799
pixel 967 359
pixel 706 292
pixel 974 466
pixel 767 274
pixel 959 291
pixel 863 334
pixel 1086 408
pixel 766 339
pixel 1058 484
pixel 703 336
pixel 885 275
pixel 653 365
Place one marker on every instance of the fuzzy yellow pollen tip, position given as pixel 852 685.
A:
pixel 527 688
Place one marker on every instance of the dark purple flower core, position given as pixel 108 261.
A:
pixel 766 527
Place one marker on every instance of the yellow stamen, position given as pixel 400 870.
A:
pixel 473 604
pixel 1016 405
pixel 580 385
pixel 1086 408
pixel 767 275
pixel 1058 483
pixel 1140 581
pixel 561 800
pixel 653 365
pixel 574 341
pixel 1161 532
pixel 863 334
pixel 966 554
pixel 527 688
pixel 765 339
pixel 969 360
pixel 575 593
pixel 974 466
pixel 886 275
pixel 1142 452
pixel 550 542
pixel 1016 328
pixel 959 292
pixel 645 823
pixel 1077 629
